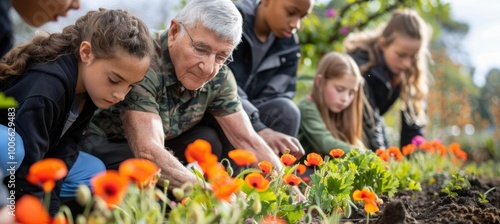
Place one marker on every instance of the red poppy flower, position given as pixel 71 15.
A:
pixel 142 171
pixel 292 179
pixel 257 181
pixel 313 159
pixel 110 186
pixel 301 169
pixel 242 157
pixel 288 159
pixel 337 153
pixel 198 150
pixel 265 166
pixel 46 172
pixel 29 209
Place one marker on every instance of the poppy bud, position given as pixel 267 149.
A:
pixel 83 195
pixel 256 206
pixel 178 193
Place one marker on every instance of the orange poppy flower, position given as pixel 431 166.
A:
pixel 46 172
pixel 197 151
pixel 288 159
pixel 379 151
pixel 313 159
pixel 337 153
pixel 454 147
pixel 257 181
pixel 365 195
pixel 59 219
pixel 394 151
pixel 427 146
pixel 224 187
pixel 461 155
pixel 29 209
pixel 265 166
pixel 142 171
pixel 214 170
pixel 301 169
pixel 273 220
pixel 242 157
pixel 292 179
pixel 184 201
pixel 409 149
pixel 110 186
pixel 383 154
pixel 371 207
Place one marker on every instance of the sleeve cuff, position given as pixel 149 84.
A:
pixel 258 125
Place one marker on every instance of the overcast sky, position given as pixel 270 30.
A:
pixel 482 42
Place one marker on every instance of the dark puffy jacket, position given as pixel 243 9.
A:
pixel 275 76
pixel 381 96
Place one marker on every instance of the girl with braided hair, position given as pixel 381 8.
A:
pixel 59 80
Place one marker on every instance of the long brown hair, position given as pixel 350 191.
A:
pixel 407 23
pixel 346 125
pixel 109 31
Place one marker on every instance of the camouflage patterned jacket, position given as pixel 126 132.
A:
pixel 161 93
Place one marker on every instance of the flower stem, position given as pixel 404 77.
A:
pixel 46 200
pixel 89 205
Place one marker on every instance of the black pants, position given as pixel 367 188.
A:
pixel 113 153
pixel 280 114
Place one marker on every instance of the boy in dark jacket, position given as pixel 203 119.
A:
pixel 265 66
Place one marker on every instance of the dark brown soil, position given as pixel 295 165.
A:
pixel 432 206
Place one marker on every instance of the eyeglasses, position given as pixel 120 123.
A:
pixel 204 52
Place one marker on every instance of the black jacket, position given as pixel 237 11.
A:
pixel 45 93
pixel 276 74
pixel 381 96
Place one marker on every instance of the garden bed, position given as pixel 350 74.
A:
pixel 429 183
pixel 432 206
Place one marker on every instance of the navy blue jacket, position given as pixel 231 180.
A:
pixel 381 96
pixel 45 93
pixel 275 76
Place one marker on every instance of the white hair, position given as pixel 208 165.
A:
pixel 219 16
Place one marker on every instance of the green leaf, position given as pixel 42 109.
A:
pixel 295 216
pixel 6 102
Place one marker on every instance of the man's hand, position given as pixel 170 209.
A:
pixel 280 142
